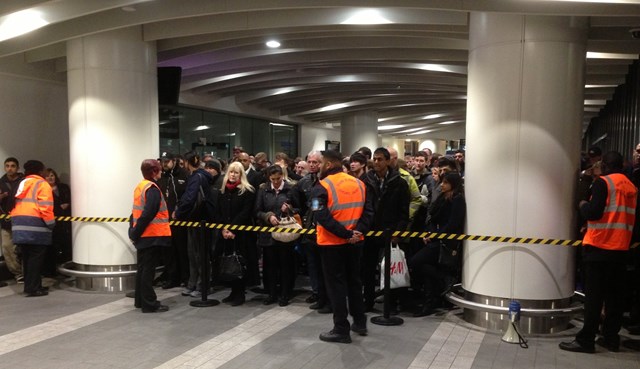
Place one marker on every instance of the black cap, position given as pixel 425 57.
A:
pixel 167 156
pixel 594 151
pixel 332 155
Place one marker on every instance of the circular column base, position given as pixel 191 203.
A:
pixel 101 278
pixel 528 324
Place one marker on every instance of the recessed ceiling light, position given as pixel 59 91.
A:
pixel 19 23
pixel 420 132
pixel 128 9
pixel 450 122
pixel 273 44
pixel 389 127
pixel 433 116
pixel 366 16
pixel 334 107
pixel 201 128
pixel 594 55
pixel 600 86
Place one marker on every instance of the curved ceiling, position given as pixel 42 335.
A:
pixel 410 69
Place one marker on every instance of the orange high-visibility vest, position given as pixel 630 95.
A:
pixel 159 226
pixel 613 231
pixel 32 218
pixel 346 204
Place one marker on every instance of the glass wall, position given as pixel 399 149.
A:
pixel 183 129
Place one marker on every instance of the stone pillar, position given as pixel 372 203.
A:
pixel 113 126
pixel 358 129
pixel 524 116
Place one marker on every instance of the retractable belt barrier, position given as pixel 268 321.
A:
pixel 402 234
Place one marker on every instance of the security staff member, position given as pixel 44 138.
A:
pixel 342 214
pixel 149 231
pixel 611 215
pixel 32 223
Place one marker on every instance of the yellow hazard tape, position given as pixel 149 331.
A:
pixel 402 234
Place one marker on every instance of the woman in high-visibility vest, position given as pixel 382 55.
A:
pixel 149 231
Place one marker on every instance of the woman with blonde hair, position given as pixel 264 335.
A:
pixel 235 207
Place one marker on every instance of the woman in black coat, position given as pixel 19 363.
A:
pixel 235 206
pixel 61 250
pixel 276 199
pixel 446 215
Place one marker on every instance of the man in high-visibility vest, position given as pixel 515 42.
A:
pixel 342 215
pixel 32 223
pixel 149 231
pixel 610 213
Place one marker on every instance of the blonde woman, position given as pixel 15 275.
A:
pixel 235 206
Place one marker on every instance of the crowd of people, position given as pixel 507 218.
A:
pixel 341 197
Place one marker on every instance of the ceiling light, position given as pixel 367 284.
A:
pixel 389 127
pixel 420 132
pixel 594 55
pixel 128 9
pixel 600 86
pixel 595 102
pixel 201 128
pixel 273 44
pixel 19 23
pixel 284 90
pixel 366 16
pixel 280 125
pixel 334 107
pixel 450 122
pixel 435 67
pixel 433 116
pixel 411 130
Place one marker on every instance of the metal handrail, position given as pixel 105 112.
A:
pixel 460 301
pixel 63 269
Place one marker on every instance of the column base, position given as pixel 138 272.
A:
pixel 537 316
pixel 101 278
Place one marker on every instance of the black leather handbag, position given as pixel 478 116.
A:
pixel 449 254
pixel 231 267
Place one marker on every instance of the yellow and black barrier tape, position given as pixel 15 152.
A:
pixel 401 234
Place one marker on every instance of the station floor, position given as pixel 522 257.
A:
pixel 71 329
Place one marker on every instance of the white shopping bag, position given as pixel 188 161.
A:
pixel 399 271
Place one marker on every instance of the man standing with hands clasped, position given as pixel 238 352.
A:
pixel 343 214
pixel 611 216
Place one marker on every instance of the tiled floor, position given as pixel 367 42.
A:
pixel 74 329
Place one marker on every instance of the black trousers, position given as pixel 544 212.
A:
pixel 370 261
pixel 604 284
pixel 33 257
pixel 279 269
pixel 341 267
pixel 145 296
pixel 176 261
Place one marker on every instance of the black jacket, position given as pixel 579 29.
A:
pixel 172 184
pixel 234 208
pixel 391 202
pixel 303 194
pixel 9 202
pixel 186 208
pixel 269 203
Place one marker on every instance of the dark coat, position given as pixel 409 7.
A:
pixel 185 209
pixel 390 203
pixel 9 202
pixel 269 203
pixel 234 208
pixel 172 184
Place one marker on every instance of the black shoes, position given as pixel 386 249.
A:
pixel 270 300
pixel 333 336
pixel 611 346
pixel 229 298
pixel 574 346
pixel 283 301
pixel 237 300
pixel 325 310
pixel 3 284
pixel 37 293
pixel 311 299
pixel 157 309
pixel 360 329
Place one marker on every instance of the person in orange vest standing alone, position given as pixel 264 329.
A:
pixel 149 231
pixel 343 214
pixel 610 214
pixel 32 223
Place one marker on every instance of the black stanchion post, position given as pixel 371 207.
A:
pixel 204 270
pixel 386 318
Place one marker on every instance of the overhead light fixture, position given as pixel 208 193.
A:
pixel 19 23
pixel 334 107
pixel 595 55
pixel 435 68
pixel 433 116
pixel 284 90
pixel 595 102
pixel 279 125
pixel 600 86
pixel 366 16
pixel 273 44
pixel 420 132
pixel 450 122
pixel 201 128
pixel 390 127
pixel 411 130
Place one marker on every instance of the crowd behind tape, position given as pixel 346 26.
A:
pixel 402 234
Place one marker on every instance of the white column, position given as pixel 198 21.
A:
pixel 358 129
pixel 113 126
pixel 524 116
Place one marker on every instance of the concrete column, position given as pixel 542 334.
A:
pixel 524 116
pixel 358 129
pixel 113 126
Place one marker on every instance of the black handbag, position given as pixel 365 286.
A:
pixel 231 267
pixel 449 256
